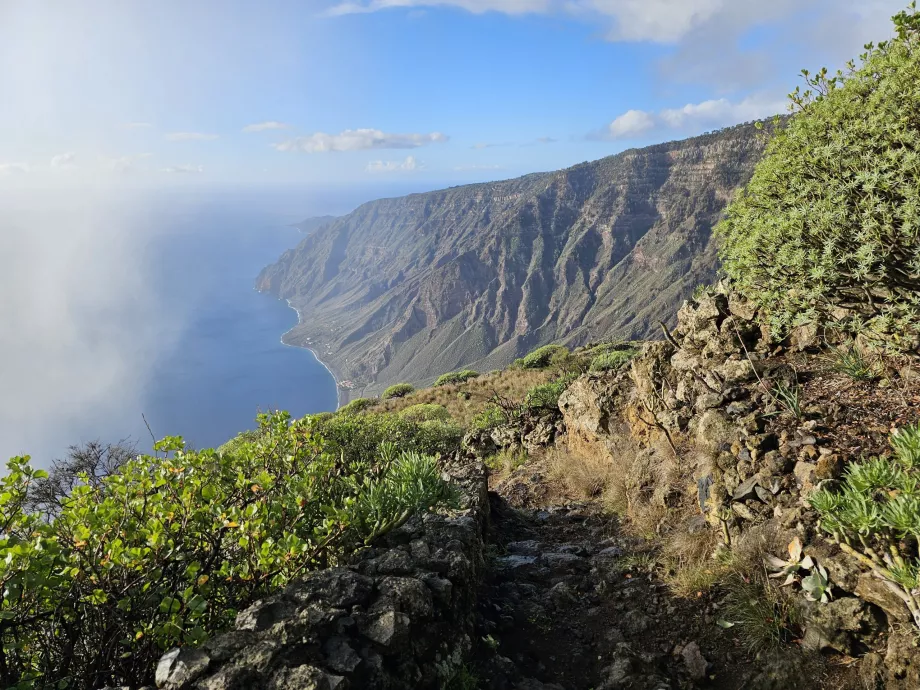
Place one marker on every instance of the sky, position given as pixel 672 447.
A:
pixel 384 93
pixel 114 112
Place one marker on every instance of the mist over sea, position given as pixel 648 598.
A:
pixel 116 306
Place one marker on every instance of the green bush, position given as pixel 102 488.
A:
pixel 165 550
pixel 490 417
pixel 456 377
pixel 613 360
pixel 827 231
pixel 399 390
pixel 425 412
pixel 875 516
pixel 357 436
pixel 358 405
pixel 540 358
pixel 545 395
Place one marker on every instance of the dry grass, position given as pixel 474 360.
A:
pixel 506 461
pixel 465 400
pixel 583 475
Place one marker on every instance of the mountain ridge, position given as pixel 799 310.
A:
pixel 476 275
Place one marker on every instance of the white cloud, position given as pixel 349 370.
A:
pixel 662 21
pixel 408 165
pixel 477 167
pixel 123 163
pixel 693 117
pixel 632 123
pixel 64 160
pixel 358 140
pixel 13 169
pixel 189 136
pixel 721 112
pixel 263 126
pixel 183 169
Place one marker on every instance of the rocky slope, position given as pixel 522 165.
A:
pixel 407 288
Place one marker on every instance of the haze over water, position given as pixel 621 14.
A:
pixel 149 310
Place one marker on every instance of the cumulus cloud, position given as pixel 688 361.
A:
pixel 13 169
pixel 64 160
pixel 359 140
pixel 189 136
pixel 263 126
pixel 407 165
pixel 181 169
pixel 632 123
pixel 692 117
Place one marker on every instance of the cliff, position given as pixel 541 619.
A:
pixel 407 288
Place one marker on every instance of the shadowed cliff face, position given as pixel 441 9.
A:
pixel 405 289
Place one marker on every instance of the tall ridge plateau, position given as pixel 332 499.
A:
pixel 407 288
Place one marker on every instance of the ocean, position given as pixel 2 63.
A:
pixel 228 362
pixel 121 308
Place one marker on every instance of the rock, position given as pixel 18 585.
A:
pixel 804 337
pixel 806 476
pixel 696 663
pixel 870 588
pixel 746 489
pixel 531 547
pixel 742 308
pixel 714 429
pixel 829 467
pixel 181 667
pixel 387 628
pixel 842 625
pixel 340 656
pixel 565 561
pixel 304 678
pixel 264 614
pixel 515 562
pixel 902 661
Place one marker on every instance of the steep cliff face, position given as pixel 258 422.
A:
pixel 407 288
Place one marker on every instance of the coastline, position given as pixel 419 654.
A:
pixel 342 394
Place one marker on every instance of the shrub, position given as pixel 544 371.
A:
pixel 613 360
pixel 490 417
pixel 456 377
pixel 400 390
pixel 356 437
pixel 426 412
pixel 875 516
pixel 358 405
pixel 545 395
pixel 540 358
pixel 165 550
pixel 827 230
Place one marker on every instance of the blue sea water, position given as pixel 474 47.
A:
pixel 228 362
pixel 118 306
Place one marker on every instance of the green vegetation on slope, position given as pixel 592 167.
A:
pixel 827 231
pixel 99 581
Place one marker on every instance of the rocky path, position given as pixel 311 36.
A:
pixel 573 604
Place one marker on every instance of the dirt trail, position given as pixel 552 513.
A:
pixel 572 603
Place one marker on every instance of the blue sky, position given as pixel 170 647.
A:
pixel 413 93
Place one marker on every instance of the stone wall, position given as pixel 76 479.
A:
pixel 400 615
